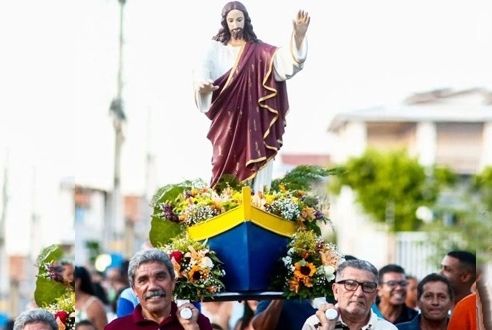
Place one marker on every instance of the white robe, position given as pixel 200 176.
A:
pixel 219 58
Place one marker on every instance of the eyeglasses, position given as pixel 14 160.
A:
pixel 394 284
pixel 352 285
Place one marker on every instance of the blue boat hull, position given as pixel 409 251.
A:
pixel 250 254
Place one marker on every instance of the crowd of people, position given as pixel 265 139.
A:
pixel 139 295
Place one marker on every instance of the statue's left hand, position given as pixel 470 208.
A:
pixel 301 24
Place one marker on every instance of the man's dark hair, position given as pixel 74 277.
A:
pixel 224 35
pixel 390 268
pixel 434 278
pixel 467 259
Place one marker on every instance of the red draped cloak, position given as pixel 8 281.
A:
pixel 248 115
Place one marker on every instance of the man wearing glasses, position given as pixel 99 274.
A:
pixel 392 294
pixel 355 290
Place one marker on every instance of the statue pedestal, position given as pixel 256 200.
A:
pixel 249 242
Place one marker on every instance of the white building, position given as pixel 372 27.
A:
pixel 445 127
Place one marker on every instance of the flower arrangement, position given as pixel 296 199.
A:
pixel 190 203
pixel 53 292
pixel 63 309
pixel 198 203
pixel 197 269
pixel 299 206
pixel 309 266
pixel 199 273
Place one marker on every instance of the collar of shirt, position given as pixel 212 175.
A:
pixel 370 325
pixel 138 317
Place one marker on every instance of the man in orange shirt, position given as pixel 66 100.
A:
pixel 464 316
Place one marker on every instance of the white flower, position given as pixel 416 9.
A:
pixel 206 262
pixel 329 273
pixel 287 261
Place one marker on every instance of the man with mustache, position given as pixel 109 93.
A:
pixel 151 276
pixel 240 86
pixel 434 299
pixel 355 289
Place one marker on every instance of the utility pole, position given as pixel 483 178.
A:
pixel 115 225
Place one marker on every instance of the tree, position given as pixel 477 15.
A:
pixel 482 186
pixel 466 222
pixel 391 186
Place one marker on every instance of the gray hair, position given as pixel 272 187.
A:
pixel 357 264
pixel 35 316
pixel 146 256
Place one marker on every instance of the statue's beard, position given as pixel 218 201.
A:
pixel 237 34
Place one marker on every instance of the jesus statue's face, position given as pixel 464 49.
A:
pixel 235 23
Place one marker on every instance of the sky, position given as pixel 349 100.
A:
pixel 58 75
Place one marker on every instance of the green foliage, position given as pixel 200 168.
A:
pixel 466 223
pixel 50 254
pixel 482 186
pixel 228 180
pixel 470 231
pixel 303 177
pixel 161 232
pixel 168 193
pixel 47 291
pixel 391 186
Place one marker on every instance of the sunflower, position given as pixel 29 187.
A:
pixel 304 271
pixel 197 274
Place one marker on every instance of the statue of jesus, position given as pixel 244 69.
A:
pixel 240 86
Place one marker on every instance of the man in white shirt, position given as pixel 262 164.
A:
pixel 240 86
pixel 355 290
